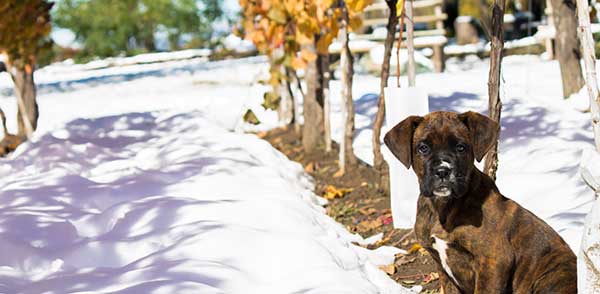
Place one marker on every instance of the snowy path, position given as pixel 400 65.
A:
pixel 168 202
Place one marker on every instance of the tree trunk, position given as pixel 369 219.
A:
pixel 347 158
pixel 287 103
pixel 378 163
pixel 313 106
pixel 291 98
pixel 567 45
pixel 27 115
pixel 325 77
pixel 495 104
pixel 296 103
pixel 589 59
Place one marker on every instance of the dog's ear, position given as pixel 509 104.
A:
pixel 483 130
pixel 399 139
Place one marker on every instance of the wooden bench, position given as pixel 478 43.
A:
pixel 428 22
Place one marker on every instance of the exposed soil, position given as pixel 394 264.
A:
pixel 363 208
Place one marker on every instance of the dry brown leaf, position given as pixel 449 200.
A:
pixel 367 210
pixel 338 173
pixel 405 260
pixel 367 225
pixel 389 269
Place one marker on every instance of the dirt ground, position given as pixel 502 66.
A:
pixel 357 203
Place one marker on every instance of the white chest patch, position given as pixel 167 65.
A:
pixel 441 247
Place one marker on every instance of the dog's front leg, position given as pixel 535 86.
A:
pixel 493 275
pixel 446 284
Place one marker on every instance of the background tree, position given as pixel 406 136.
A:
pixel 112 27
pixel 350 20
pixel 24 29
pixel 568 50
pixel 378 162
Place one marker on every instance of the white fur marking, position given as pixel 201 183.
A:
pixel 445 164
pixel 442 193
pixel 441 246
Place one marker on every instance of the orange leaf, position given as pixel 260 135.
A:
pixel 298 63
pixel 308 55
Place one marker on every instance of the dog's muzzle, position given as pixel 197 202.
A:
pixel 444 179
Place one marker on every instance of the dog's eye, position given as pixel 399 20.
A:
pixel 461 148
pixel 423 148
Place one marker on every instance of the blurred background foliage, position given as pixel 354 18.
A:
pixel 127 27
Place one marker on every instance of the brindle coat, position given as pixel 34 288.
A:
pixel 493 244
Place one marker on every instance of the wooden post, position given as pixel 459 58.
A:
pixel 410 45
pixel 438 50
pixel 589 60
pixel 495 104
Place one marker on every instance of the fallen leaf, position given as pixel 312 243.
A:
pixel 332 192
pixel 408 282
pixel 364 184
pixel 405 260
pixel 389 269
pixel 310 167
pixel 262 134
pixel 338 173
pixel 367 210
pixel 368 225
pixel 386 220
pixel 414 248
pixel 431 277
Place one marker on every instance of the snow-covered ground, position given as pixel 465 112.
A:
pixel 115 196
pixel 136 180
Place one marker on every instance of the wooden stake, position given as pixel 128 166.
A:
pixel 399 45
pixel 410 45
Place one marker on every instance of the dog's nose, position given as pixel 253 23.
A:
pixel 442 172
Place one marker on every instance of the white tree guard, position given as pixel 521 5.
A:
pixel 588 262
pixel 401 103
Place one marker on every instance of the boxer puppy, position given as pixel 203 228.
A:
pixel 481 241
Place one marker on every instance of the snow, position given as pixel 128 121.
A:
pixel 139 180
pixel 167 202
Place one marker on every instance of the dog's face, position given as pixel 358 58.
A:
pixel 441 147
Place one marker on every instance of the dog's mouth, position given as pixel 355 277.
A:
pixel 442 191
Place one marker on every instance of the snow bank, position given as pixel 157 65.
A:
pixel 588 263
pixel 169 202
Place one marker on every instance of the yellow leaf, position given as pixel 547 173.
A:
pixel 399 7
pixel 355 23
pixel 414 248
pixel 323 44
pixel 298 63
pixel 277 14
pixel 303 38
pixel 332 192
pixel 307 55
